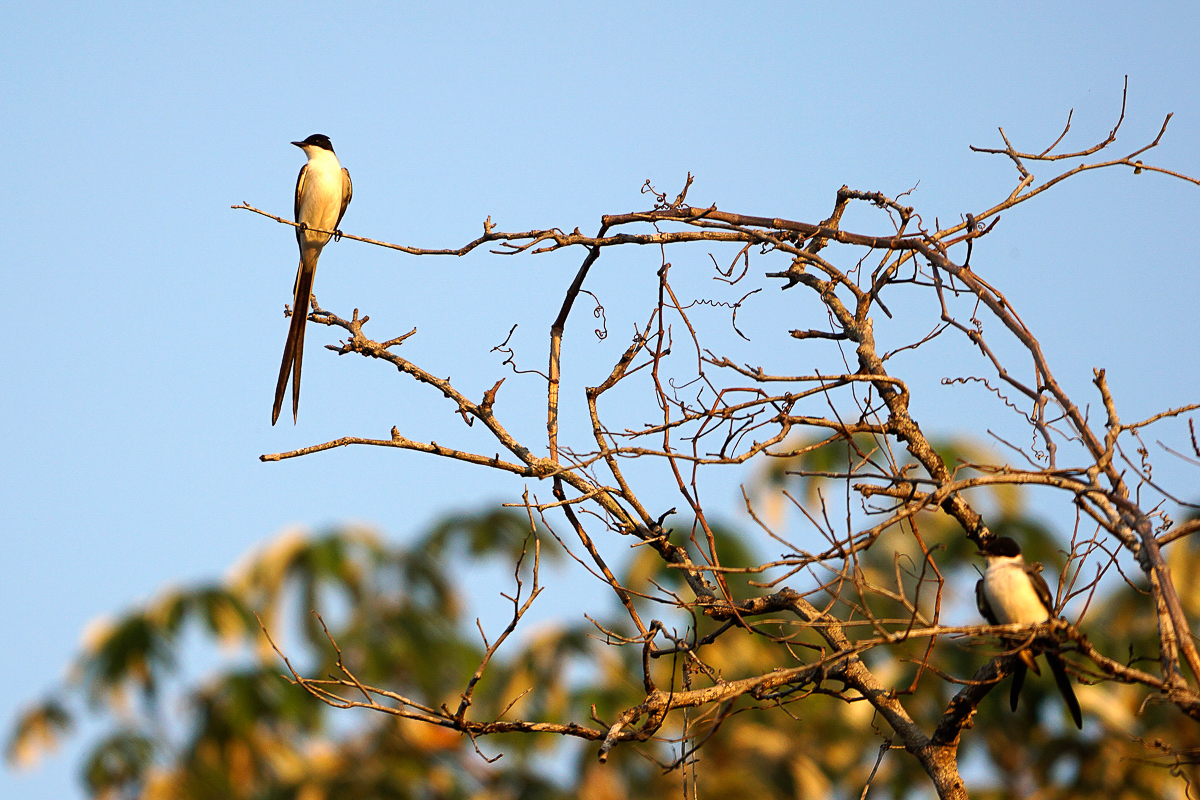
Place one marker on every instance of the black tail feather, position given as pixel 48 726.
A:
pixel 1064 687
pixel 293 349
pixel 1018 680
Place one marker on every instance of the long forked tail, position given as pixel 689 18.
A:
pixel 1064 687
pixel 1018 680
pixel 293 350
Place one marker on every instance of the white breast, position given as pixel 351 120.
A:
pixel 321 196
pixel 1011 595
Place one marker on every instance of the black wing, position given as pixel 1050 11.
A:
pixel 296 207
pixel 981 602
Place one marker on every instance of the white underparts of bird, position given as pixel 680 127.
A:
pixel 1013 592
pixel 323 190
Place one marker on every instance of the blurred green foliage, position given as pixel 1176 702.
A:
pixel 246 733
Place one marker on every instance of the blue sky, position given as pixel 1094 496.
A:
pixel 145 315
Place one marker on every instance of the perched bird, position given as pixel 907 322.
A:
pixel 1013 592
pixel 323 191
